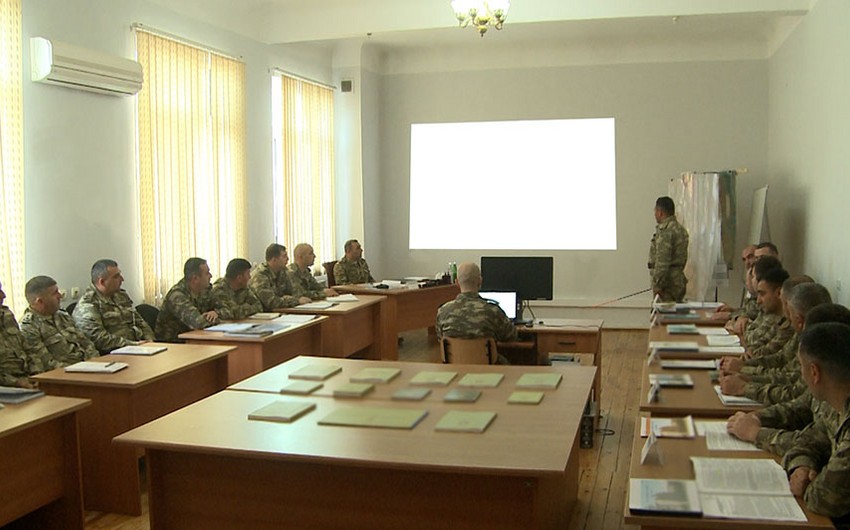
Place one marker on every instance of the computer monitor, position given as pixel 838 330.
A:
pixel 506 300
pixel 530 277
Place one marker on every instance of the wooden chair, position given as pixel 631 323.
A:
pixel 468 351
pixel 329 272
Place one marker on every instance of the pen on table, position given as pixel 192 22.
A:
pixel 110 364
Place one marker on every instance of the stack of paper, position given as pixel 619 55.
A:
pixel 316 306
pixel 462 421
pixel 682 329
pixel 460 395
pixel 315 372
pixel 673 345
pixel 723 340
pixel 411 394
pixel 301 387
pixel 525 398
pixel 353 390
pixel 387 418
pixel 139 350
pixel 348 297
pixel 231 327
pixel 664 496
pixel 547 381
pixel 487 380
pixel 293 318
pixel 264 316
pixel 674 380
pixel 375 375
pixel 282 411
pixel 689 364
pixel 12 395
pixel 433 378
pixel 96 367
pixel 712 331
pixel 735 400
pixel 723 350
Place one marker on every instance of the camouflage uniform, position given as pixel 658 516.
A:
pixel 469 316
pixel 668 254
pixel 54 341
pixel 110 322
pixel 828 453
pixel 767 334
pixel 784 423
pixel 274 289
pixel 778 392
pixel 234 305
pixel 347 272
pixel 182 311
pixel 749 309
pixel 14 361
pixel 305 284
pixel 774 366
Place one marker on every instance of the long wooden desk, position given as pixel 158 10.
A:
pixel 149 388
pixel 40 466
pixel 676 465
pixel 701 400
pixel 407 309
pixel 208 463
pixel 252 355
pixel 700 317
pixel 351 327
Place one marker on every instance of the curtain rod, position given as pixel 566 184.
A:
pixel 301 78
pixel 182 40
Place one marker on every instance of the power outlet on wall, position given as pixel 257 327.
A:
pixel 75 293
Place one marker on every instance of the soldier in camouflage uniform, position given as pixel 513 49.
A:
pixel 189 304
pixel 233 299
pixel 270 281
pixel 352 268
pixel 302 279
pixel 469 316
pixel 819 464
pixel 14 361
pixel 668 253
pixel 50 337
pixel 106 313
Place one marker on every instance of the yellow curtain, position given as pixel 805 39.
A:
pixel 306 170
pixel 11 157
pixel 191 126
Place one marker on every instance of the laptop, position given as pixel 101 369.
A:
pixel 506 300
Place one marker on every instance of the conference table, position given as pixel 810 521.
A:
pixel 406 309
pixel 251 355
pixel 676 464
pixel 208 463
pixel 355 327
pixel 40 468
pixel 150 387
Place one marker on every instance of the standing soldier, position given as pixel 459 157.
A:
pixel 668 253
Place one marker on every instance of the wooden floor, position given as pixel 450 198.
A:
pixel 604 469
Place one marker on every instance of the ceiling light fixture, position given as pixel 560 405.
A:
pixel 481 14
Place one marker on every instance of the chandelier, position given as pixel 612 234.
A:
pixel 481 14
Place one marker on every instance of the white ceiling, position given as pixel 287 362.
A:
pixel 397 25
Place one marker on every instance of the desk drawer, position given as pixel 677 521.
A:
pixel 567 342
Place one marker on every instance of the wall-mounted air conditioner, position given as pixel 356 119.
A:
pixel 72 66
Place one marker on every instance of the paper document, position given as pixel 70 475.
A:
pixel 348 297
pixel 264 316
pixel 723 340
pixel 723 441
pixel 231 326
pixel 139 350
pixel 292 318
pixel 667 427
pixel 689 364
pixel 726 350
pixel 735 400
pixel 95 367
pixel 316 305
pixel 781 508
pixel 712 330
pixel 13 394
pixel 655 495
pixel 706 426
pixel 674 345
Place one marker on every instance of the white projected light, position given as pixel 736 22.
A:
pixel 514 185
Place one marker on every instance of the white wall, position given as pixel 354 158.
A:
pixel 809 146
pixel 79 148
pixel 670 117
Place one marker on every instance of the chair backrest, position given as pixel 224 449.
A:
pixel 329 272
pixel 70 308
pixel 149 313
pixel 468 351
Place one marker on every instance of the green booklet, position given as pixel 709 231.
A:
pixel 459 395
pixel 433 378
pixel 463 421
pixel 547 381
pixel 387 418
pixel 525 398
pixel 353 389
pixel 375 375
pixel 282 411
pixel 411 394
pixel 301 387
pixel 486 380
pixel 315 372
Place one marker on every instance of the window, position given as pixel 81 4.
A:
pixel 191 131
pixel 11 157
pixel 304 164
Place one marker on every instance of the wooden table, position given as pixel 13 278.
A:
pixel 701 400
pixel 252 355
pixel 676 465
pixel 407 309
pixel 352 327
pixel 40 466
pixel 700 317
pixel 149 388
pixel 208 463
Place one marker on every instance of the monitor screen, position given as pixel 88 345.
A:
pixel 507 301
pixel 530 277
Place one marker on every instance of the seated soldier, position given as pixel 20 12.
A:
pixel 106 313
pixel 270 281
pixel 231 295
pixel 777 427
pixel 14 361
pixel 50 337
pixel 469 316
pixel 352 268
pixel 819 463
pixel 189 304
pixel 303 281
pixel 771 330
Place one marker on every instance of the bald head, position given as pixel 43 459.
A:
pixel 468 277
pixel 303 255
